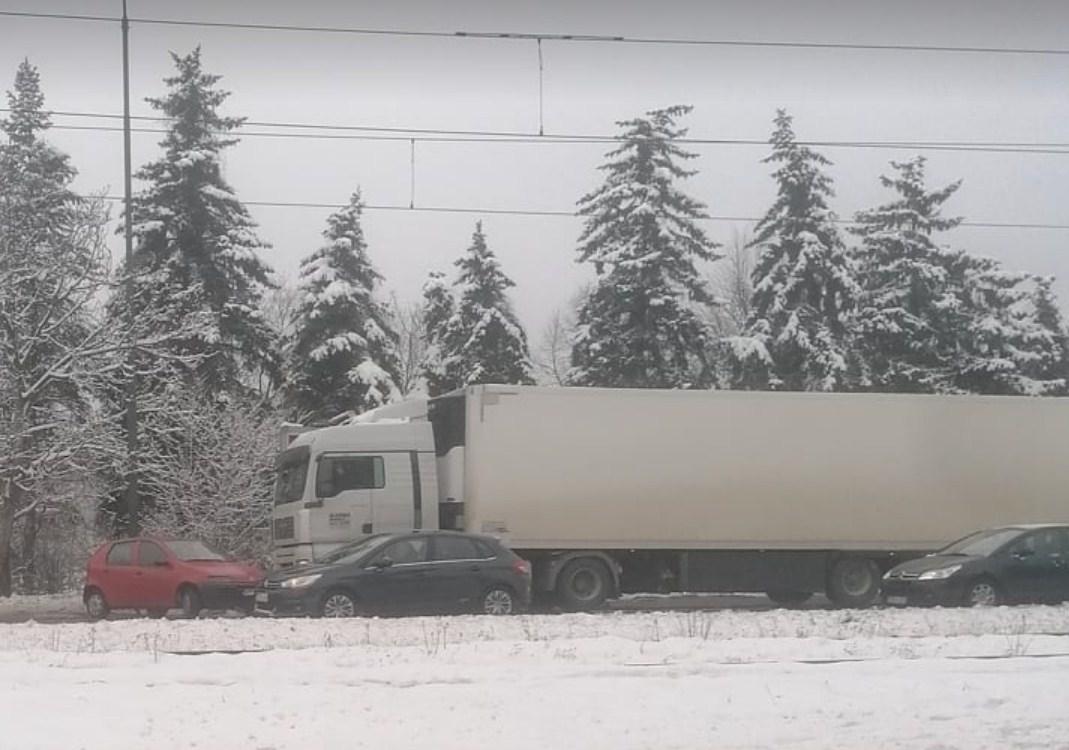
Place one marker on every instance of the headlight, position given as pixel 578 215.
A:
pixel 939 573
pixel 300 582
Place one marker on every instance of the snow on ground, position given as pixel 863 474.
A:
pixel 845 679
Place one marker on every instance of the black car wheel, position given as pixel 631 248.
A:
pixel 96 606
pixel 337 604
pixel 189 602
pixel 983 592
pixel 499 601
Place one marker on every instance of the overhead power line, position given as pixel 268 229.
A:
pixel 436 135
pixel 573 38
pixel 573 214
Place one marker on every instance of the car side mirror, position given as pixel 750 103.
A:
pixel 1023 554
pixel 382 564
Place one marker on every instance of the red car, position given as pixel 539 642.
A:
pixel 160 574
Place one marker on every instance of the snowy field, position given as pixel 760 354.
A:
pixel 785 678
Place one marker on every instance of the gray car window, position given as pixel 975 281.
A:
pixel 403 551
pixel 455 548
pixel 121 554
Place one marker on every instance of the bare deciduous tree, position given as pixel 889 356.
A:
pixel 211 478
pixel 409 324
pixel 732 283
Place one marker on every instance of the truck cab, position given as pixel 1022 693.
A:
pixel 337 484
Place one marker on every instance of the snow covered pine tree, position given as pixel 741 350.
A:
pixel 639 326
pixel 196 253
pixel 343 356
pixel 438 308
pixel 933 319
pixel 795 338
pixel 483 341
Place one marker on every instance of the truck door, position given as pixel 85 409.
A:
pixel 392 494
pixel 343 490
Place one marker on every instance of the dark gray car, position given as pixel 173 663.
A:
pixel 997 566
pixel 415 573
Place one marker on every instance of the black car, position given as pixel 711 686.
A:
pixel 996 566
pixel 415 573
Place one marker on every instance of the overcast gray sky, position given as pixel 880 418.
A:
pixel 481 84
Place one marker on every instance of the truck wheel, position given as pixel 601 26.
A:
pixel 584 584
pixel 854 582
pixel 787 598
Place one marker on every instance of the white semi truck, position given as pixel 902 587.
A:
pixel 609 491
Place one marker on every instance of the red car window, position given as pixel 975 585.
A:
pixel 121 553
pixel 150 553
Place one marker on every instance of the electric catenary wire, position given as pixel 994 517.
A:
pixel 575 215
pixel 573 38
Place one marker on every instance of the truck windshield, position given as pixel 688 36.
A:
pixel 292 468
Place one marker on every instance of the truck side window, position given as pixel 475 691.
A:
pixel 336 474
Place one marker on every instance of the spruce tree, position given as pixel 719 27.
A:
pixel 438 308
pixel 1002 349
pixel 483 341
pixel 934 319
pixel 1048 315
pixel 804 287
pixel 343 356
pixel 196 252
pixel 908 317
pixel 639 326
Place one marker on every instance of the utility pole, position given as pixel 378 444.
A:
pixel 133 494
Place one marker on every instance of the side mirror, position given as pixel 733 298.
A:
pixel 382 564
pixel 1023 554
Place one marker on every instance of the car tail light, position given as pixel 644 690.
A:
pixel 521 567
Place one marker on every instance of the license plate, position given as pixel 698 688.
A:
pixel 261 597
pixel 897 600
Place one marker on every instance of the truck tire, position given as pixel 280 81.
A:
pixel 787 598
pixel 854 582
pixel 584 584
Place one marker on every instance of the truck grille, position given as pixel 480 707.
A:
pixel 284 528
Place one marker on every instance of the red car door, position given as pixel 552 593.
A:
pixel 117 576
pixel 154 577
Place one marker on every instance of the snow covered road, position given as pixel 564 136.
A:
pixel 845 679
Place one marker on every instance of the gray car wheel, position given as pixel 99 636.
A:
pixel 982 593
pixel 338 604
pixel 499 601
pixel 96 606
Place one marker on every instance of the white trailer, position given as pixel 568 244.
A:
pixel 649 490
